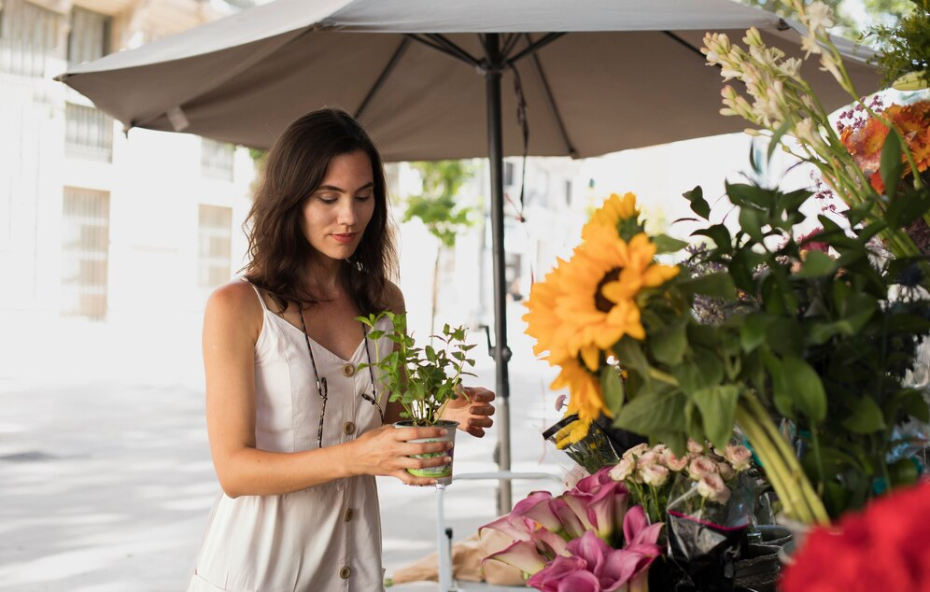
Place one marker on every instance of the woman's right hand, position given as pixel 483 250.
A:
pixel 386 451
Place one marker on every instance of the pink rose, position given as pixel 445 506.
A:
pixel 655 475
pixel 673 462
pixel 694 447
pixel 738 456
pixel 711 487
pixel 623 470
pixel 725 470
pixel 636 451
pixel 701 466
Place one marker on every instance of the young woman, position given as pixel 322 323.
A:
pixel 297 432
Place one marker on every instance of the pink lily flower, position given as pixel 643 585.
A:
pixel 550 578
pixel 536 506
pixel 522 555
pixel 516 527
pixel 569 519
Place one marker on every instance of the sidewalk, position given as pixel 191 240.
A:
pixel 106 479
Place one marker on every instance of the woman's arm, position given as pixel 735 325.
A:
pixel 232 324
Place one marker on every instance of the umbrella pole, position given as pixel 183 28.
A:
pixel 501 351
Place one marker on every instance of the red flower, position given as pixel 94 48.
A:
pixel 886 548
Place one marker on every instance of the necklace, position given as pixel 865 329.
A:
pixel 322 387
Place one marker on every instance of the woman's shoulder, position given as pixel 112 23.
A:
pixel 237 298
pixel 394 298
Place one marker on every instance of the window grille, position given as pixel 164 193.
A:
pixel 85 247
pixel 89 38
pixel 215 251
pixel 28 38
pixel 216 159
pixel 88 133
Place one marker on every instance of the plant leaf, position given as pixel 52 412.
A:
pixel 891 165
pixel 718 412
pixel 717 285
pixel 669 343
pixel 804 386
pixel 867 416
pixel 666 244
pixel 816 264
pixel 612 387
pixel 718 233
pixel 698 204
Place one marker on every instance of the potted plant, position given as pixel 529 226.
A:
pixel 423 380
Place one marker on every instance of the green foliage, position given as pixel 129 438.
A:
pixel 436 206
pixel 816 337
pixel 905 47
pixel 422 379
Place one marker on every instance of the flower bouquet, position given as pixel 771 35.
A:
pixel 589 539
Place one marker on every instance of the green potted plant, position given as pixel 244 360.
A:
pixel 423 380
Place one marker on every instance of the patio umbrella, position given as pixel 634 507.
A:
pixel 590 77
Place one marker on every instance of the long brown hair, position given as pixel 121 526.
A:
pixel 294 169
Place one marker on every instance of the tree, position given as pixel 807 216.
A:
pixel 854 18
pixel 437 209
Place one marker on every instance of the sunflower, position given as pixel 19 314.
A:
pixel 596 304
pixel 618 213
pixel 586 399
pixel 541 321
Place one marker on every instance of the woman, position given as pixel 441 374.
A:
pixel 296 433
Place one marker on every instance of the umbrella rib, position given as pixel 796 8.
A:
pixel 550 100
pixel 455 49
pixel 534 47
pixel 510 44
pixel 398 53
pixel 684 43
pixel 439 48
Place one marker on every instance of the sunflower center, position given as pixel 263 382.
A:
pixel 601 303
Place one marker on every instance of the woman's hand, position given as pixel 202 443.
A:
pixel 473 409
pixel 386 451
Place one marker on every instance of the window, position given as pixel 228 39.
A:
pixel 216 159
pixel 568 193
pixel 508 174
pixel 89 38
pixel 28 37
pixel 214 256
pixel 85 247
pixel 88 133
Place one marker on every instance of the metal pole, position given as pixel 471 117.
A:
pixel 501 351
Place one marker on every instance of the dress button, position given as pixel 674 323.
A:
pixel 348 370
pixel 345 572
pixel 349 428
pixel 349 515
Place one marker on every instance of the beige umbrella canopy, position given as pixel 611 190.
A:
pixel 425 77
pixel 625 74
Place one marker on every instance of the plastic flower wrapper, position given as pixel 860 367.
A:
pixel 706 523
pixel 592 450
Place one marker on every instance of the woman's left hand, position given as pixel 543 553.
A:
pixel 472 409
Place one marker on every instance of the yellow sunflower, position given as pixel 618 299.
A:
pixel 617 213
pixel 542 323
pixel 595 305
pixel 585 399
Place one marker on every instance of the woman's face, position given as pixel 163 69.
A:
pixel 336 214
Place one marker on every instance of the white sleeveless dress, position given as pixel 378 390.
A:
pixel 324 538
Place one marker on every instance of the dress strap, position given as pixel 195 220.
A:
pixel 261 298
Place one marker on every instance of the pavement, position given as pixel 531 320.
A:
pixel 105 472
